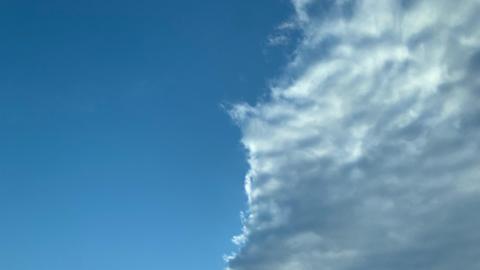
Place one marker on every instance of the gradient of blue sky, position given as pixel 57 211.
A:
pixel 115 153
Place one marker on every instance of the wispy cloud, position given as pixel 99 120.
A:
pixel 365 156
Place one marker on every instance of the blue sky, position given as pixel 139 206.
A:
pixel 115 151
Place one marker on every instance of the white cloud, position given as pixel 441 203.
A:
pixel 366 154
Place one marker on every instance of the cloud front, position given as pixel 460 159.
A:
pixel 366 154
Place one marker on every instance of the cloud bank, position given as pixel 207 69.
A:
pixel 366 154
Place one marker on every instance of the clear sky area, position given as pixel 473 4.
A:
pixel 115 150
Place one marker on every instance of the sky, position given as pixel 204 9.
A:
pixel 116 150
pixel 240 135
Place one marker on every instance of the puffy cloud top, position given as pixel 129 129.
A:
pixel 366 155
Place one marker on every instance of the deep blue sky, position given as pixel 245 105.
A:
pixel 115 153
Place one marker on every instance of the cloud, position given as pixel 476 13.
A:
pixel 365 156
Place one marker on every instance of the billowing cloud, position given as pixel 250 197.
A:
pixel 366 154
